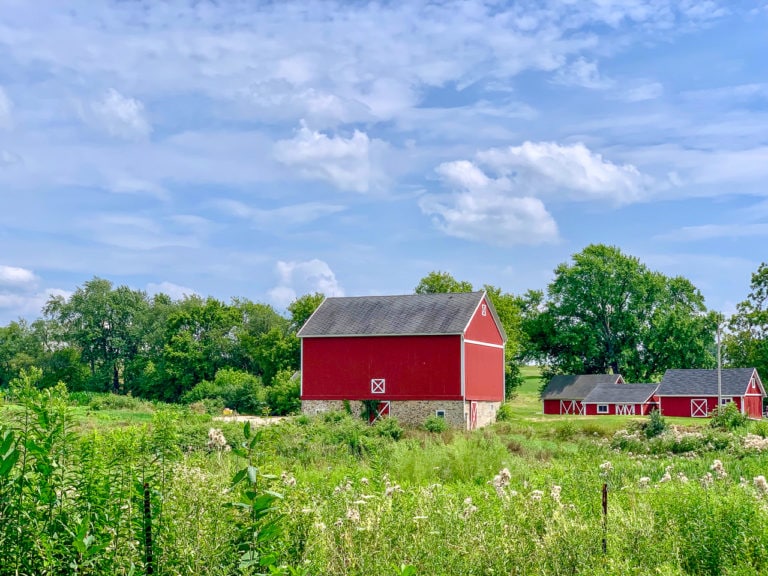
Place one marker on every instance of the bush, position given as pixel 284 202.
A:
pixel 504 414
pixel 389 428
pixel 435 424
pixel 237 390
pixel 566 430
pixel 728 417
pixel 760 428
pixel 109 401
pixel 283 395
pixel 655 425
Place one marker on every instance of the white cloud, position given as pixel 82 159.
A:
pixel 13 276
pixel 493 218
pixel 642 92
pixel 142 233
pixel 6 107
pixel 344 162
pixel 285 215
pixel 583 73
pixel 20 295
pixel 140 187
pixel 175 291
pixel 120 116
pixel 298 278
pixel 541 168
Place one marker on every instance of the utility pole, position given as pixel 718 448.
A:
pixel 719 372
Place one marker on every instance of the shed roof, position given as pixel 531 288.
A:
pixel 620 393
pixel 701 382
pixel 405 315
pixel 576 386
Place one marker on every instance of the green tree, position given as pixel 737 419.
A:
pixel 20 348
pixel 438 282
pixel 104 323
pixel 747 344
pixel 607 312
pixel 302 308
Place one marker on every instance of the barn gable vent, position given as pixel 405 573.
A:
pixel 378 385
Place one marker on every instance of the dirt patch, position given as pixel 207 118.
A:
pixel 254 420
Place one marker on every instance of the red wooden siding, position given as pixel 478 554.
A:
pixel 414 367
pixel 484 372
pixel 753 406
pixel 551 406
pixel 681 405
pixel 483 328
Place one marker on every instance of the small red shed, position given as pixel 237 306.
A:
pixel 693 393
pixel 418 355
pixel 565 393
pixel 620 400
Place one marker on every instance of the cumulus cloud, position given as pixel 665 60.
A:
pixel 305 277
pixel 120 116
pixel 5 110
pixel 495 198
pixel 20 294
pixel 13 276
pixel 175 291
pixel 344 162
pixel 566 170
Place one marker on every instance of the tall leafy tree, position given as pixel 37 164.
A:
pixel 747 343
pixel 20 348
pixel 607 312
pixel 302 308
pixel 438 282
pixel 104 324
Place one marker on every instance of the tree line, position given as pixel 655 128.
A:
pixel 604 311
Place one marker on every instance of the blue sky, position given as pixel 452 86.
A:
pixel 266 150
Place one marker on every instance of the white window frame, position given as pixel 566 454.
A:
pixel 725 401
pixel 699 410
pixel 603 409
pixel 440 413
pixel 378 385
pixel 484 310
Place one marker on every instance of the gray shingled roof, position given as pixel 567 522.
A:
pixel 620 393
pixel 699 382
pixel 424 314
pixel 575 386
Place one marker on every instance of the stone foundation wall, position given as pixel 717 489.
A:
pixel 486 412
pixel 414 412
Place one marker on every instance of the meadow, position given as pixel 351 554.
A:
pixel 97 484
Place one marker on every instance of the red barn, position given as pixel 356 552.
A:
pixel 418 355
pixel 620 400
pixel 693 393
pixel 565 393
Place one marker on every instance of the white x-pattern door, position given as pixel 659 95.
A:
pixel 571 407
pixel 699 408
pixel 625 409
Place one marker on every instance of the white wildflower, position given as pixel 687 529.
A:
pixel 536 495
pixel 217 441
pixel 707 480
pixel 469 508
pixel 761 485
pixel 353 515
pixel 644 482
pixel 718 469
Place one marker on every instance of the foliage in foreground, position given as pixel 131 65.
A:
pixel 334 495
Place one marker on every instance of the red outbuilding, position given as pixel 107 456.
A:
pixel 694 393
pixel 416 355
pixel 620 400
pixel 565 393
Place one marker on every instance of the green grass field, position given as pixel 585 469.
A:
pixel 332 495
